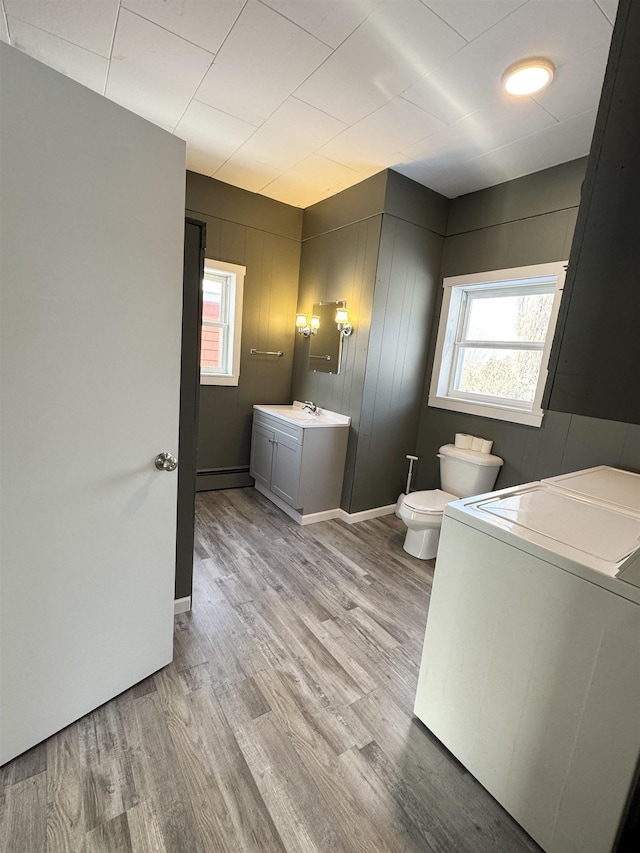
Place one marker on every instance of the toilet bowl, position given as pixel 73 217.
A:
pixel 463 473
pixel 422 513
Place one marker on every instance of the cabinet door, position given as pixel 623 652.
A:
pixel 261 455
pixel 285 470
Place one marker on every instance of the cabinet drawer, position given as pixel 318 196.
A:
pixel 278 425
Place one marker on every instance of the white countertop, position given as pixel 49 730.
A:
pixel 295 414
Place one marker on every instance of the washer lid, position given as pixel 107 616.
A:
pixel 608 533
pixel 433 501
pixel 612 485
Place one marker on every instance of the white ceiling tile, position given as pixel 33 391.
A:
pixel 576 86
pixel 293 131
pixel 377 138
pixel 163 126
pixel 331 21
pixel 312 179
pixel 493 125
pixel 89 25
pixel 564 141
pixel 262 61
pixel 470 18
pixel 609 7
pixel 205 22
pixel 397 44
pixel 560 143
pixel 448 182
pixel 539 28
pixel 289 193
pixel 211 136
pixel 200 161
pixel 246 173
pixel 279 112
pixel 158 90
pixel 467 178
pixel 81 65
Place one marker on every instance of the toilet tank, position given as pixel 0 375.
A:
pixel 465 473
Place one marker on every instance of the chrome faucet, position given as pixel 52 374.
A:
pixel 311 406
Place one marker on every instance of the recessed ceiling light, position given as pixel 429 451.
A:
pixel 528 76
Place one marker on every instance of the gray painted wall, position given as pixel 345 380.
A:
pixel 405 290
pixel 263 235
pixel 380 250
pixel 526 221
pixel 339 264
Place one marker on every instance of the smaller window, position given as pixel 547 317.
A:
pixel 494 341
pixel 222 290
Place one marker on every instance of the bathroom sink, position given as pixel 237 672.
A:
pixel 303 417
pixel 294 412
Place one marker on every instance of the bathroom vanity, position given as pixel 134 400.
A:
pixel 297 459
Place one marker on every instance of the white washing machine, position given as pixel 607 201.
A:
pixel 530 671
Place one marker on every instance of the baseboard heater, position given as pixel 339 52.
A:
pixel 235 477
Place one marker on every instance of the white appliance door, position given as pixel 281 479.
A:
pixel 90 316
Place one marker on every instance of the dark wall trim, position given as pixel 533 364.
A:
pixel 194 243
pixel 355 204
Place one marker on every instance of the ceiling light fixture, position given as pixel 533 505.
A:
pixel 528 76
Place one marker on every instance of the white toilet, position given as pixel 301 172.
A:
pixel 463 473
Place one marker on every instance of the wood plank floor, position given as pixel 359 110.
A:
pixel 283 724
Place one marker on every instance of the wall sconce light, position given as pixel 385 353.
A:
pixel 305 328
pixel 342 322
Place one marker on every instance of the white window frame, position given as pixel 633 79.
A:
pixel 233 292
pixel 537 278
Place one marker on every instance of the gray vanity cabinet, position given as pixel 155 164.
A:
pixel 276 459
pixel 301 465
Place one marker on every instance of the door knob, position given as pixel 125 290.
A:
pixel 165 462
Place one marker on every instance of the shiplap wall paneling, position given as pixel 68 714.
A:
pixel 340 264
pixel 406 283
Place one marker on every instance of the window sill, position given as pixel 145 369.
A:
pixel 484 410
pixel 207 379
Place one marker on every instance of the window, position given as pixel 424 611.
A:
pixel 222 288
pixel 494 340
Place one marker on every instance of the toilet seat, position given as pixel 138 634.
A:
pixel 430 502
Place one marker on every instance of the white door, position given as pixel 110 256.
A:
pixel 91 236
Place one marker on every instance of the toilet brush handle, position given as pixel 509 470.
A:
pixel 411 459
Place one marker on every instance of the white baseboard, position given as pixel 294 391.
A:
pixel 326 515
pixel 310 518
pixel 365 515
pixel 181 605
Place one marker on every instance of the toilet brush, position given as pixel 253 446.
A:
pixel 411 459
